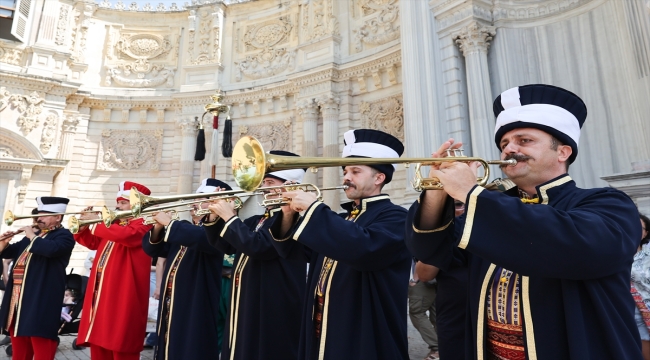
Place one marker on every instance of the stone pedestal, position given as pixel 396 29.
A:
pixel 636 185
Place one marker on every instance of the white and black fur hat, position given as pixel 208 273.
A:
pixel 52 204
pixel 554 110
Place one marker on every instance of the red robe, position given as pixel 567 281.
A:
pixel 116 317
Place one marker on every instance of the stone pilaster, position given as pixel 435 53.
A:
pixel 474 41
pixel 308 111
pixel 188 148
pixel 329 106
pixel 68 131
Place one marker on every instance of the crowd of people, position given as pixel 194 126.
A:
pixel 529 267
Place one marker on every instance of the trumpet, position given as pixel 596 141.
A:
pixel 9 216
pixel 272 197
pixel 74 224
pixel 250 163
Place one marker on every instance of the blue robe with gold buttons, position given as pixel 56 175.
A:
pixel 365 293
pixel 266 291
pixel 573 252
pixel 190 329
pixel 39 307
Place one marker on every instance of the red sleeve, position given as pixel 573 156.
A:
pixel 87 239
pixel 129 235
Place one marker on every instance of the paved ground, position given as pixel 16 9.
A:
pixel 417 348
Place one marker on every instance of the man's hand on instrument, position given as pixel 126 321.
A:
pixel 89 215
pixel 29 231
pixel 287 211
pixel 163 218
pixel 300 200
pixel 223 209
pixel 442 152
pixel 457 178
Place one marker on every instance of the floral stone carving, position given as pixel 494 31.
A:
pixel 49 132
pixel 386 115
pixel 130 150
pixel 29 107
pixel 383 27
pixel 275 135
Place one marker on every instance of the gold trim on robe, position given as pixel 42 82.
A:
pixel 101 265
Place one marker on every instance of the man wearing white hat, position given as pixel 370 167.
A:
pixel 31 307
pixel 190 289
pixel 549 263
pixel 356 300
pixel 268 281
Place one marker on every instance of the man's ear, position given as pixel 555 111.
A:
pixel 381 177
pixel 564 153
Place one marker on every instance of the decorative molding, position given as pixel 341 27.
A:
pixel 25 177
pixel 533 10
pixel 307 108
pixel 318 20
pixel 6 153
pixel 62 25
pixel 140 59
pixel 208 50
pixel 386 115
pixel 271 59
pixel 30 107
pixel 273 136
pixel 329 104
pixel 70 122
pixel 120 6
pixel 10 55
pixel 473 10
pixel 382 27
pixel 5 97
pixel 130 150
pixel 474 37
pixel 49 132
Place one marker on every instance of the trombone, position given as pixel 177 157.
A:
pixel 10 217
pixel 250 163
pixel 140 202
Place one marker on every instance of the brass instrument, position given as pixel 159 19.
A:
pixel 250 163
pixel 9 217
pixel 140 202
pixel 274 197
pixel 74 224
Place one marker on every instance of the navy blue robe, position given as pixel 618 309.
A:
pixel 192 330
pixel 267 298
pixel 43 285
pixel 573 252
pixel 365 306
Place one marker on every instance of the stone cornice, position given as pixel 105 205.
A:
pixel 393 58
pixel 127 103
pixel 534 12
pixel 234 97
pixel 37 83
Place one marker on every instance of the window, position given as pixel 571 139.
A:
pixel 7 8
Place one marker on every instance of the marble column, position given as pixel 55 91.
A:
pixel 329 106
pixel 188 148
pixel 308 111
pixel 474 41
pixel 69 129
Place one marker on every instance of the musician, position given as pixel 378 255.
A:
pixel 191 284
pixel 267 285
pixel 356 303
pixel 549 263
pixel 31 307
pixel 114 316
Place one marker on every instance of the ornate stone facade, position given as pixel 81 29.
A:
pixel 130 150
pixel 100 90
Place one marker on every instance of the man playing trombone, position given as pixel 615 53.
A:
pixel 114 316
pixel 549 263
pixel 267 285
pixel 356 300
pixel 31 307
pixel 190 289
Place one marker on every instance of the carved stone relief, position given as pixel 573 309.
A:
pixel 5 96
pixel 130 150
pixel 386 115
pixel 318 20
pixel 270 59
pixel 382 27
pixel 6 153
pixel 49 132
pixel 29 106
pixel 25 177
pixel 83 20
pixel 474 37
pixel 273 136
pixel 61 26
pixel 208 49
pixel 10 56
pixel 140 59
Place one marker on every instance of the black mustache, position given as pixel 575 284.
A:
pixel 349 184
pixel 518 157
